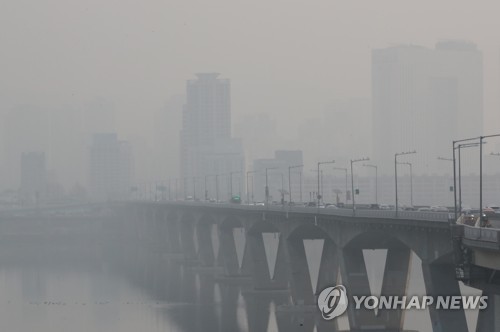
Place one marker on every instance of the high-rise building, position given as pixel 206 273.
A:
pixel 207 147
pixel 422 99
pixel 110 167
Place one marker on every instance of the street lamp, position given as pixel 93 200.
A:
pixel 267 186
pixel 322 163
pixel 481 138
pixel 376 180
pixel 411 181
pixel 396 173
pixel 346 179
pixel 231 182
pixel 217 187
pixel 459 148
pixel 205 187
pixel 248 196
pixel 352 182
pixel 290 181
pixel 194 188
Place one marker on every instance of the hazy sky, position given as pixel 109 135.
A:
pixel 288 58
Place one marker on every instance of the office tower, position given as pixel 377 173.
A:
pixel 110 167
pixel 423 99
pixel 207 147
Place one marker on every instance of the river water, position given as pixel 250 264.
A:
pixel 83 281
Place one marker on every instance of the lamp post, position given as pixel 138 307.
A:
pixel 319 175
pixel 176 189
pixel 290 181
pixel 194 188
pixel 448 159
pixel 481 138
pixel 169 189
pixel 411 181
pixel 459 147
pixel 248 195
pixel 217 188
pixel 396 173
pixel 346 180
pixel 352 182
pixel 267 186
pixel 376 180
pixel 455 174
pixel 205 187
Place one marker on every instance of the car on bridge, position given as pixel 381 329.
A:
pixel 495 208
pixel 439 209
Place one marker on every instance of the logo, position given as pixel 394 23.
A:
pixel 332 302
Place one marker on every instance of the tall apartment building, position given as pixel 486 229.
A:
pixel 110 167
pixel 423 99
pixel 207 147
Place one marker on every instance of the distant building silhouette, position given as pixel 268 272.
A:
pixel 207 147
pixel 110 167
pixel 277 178
pixel 423 99
pixel 33 177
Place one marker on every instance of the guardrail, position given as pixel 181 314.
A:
pixel 363 213
pixel 481 234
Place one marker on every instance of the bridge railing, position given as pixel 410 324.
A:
pixel 362 213
pixel 481 234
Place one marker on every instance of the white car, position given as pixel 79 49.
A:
pixel 424 208
pixel 384 207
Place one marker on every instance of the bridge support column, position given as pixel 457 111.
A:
pixel 269 271
pixel 440 280
pixel 206 254
pixel 186 228
pixel 228 252
pixel 355 279
pixel 173 234
pixel 489 318
pixel 301 284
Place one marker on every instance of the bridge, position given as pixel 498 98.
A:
pixel 269 246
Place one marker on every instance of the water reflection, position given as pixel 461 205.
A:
pixel 86 281
pixel 97 279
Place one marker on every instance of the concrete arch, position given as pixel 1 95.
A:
pixel 231 222
pixel 263 226
pixel 378 240
pixel 309 231
pixel 430 247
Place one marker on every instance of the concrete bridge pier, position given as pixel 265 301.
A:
pixel 355 279
pixel 206 252
pixel 233 251
pixel 172 236
pixel 313 265
pixel 186 226
pixel 269 264
pixel 440 279
pixel 489 318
